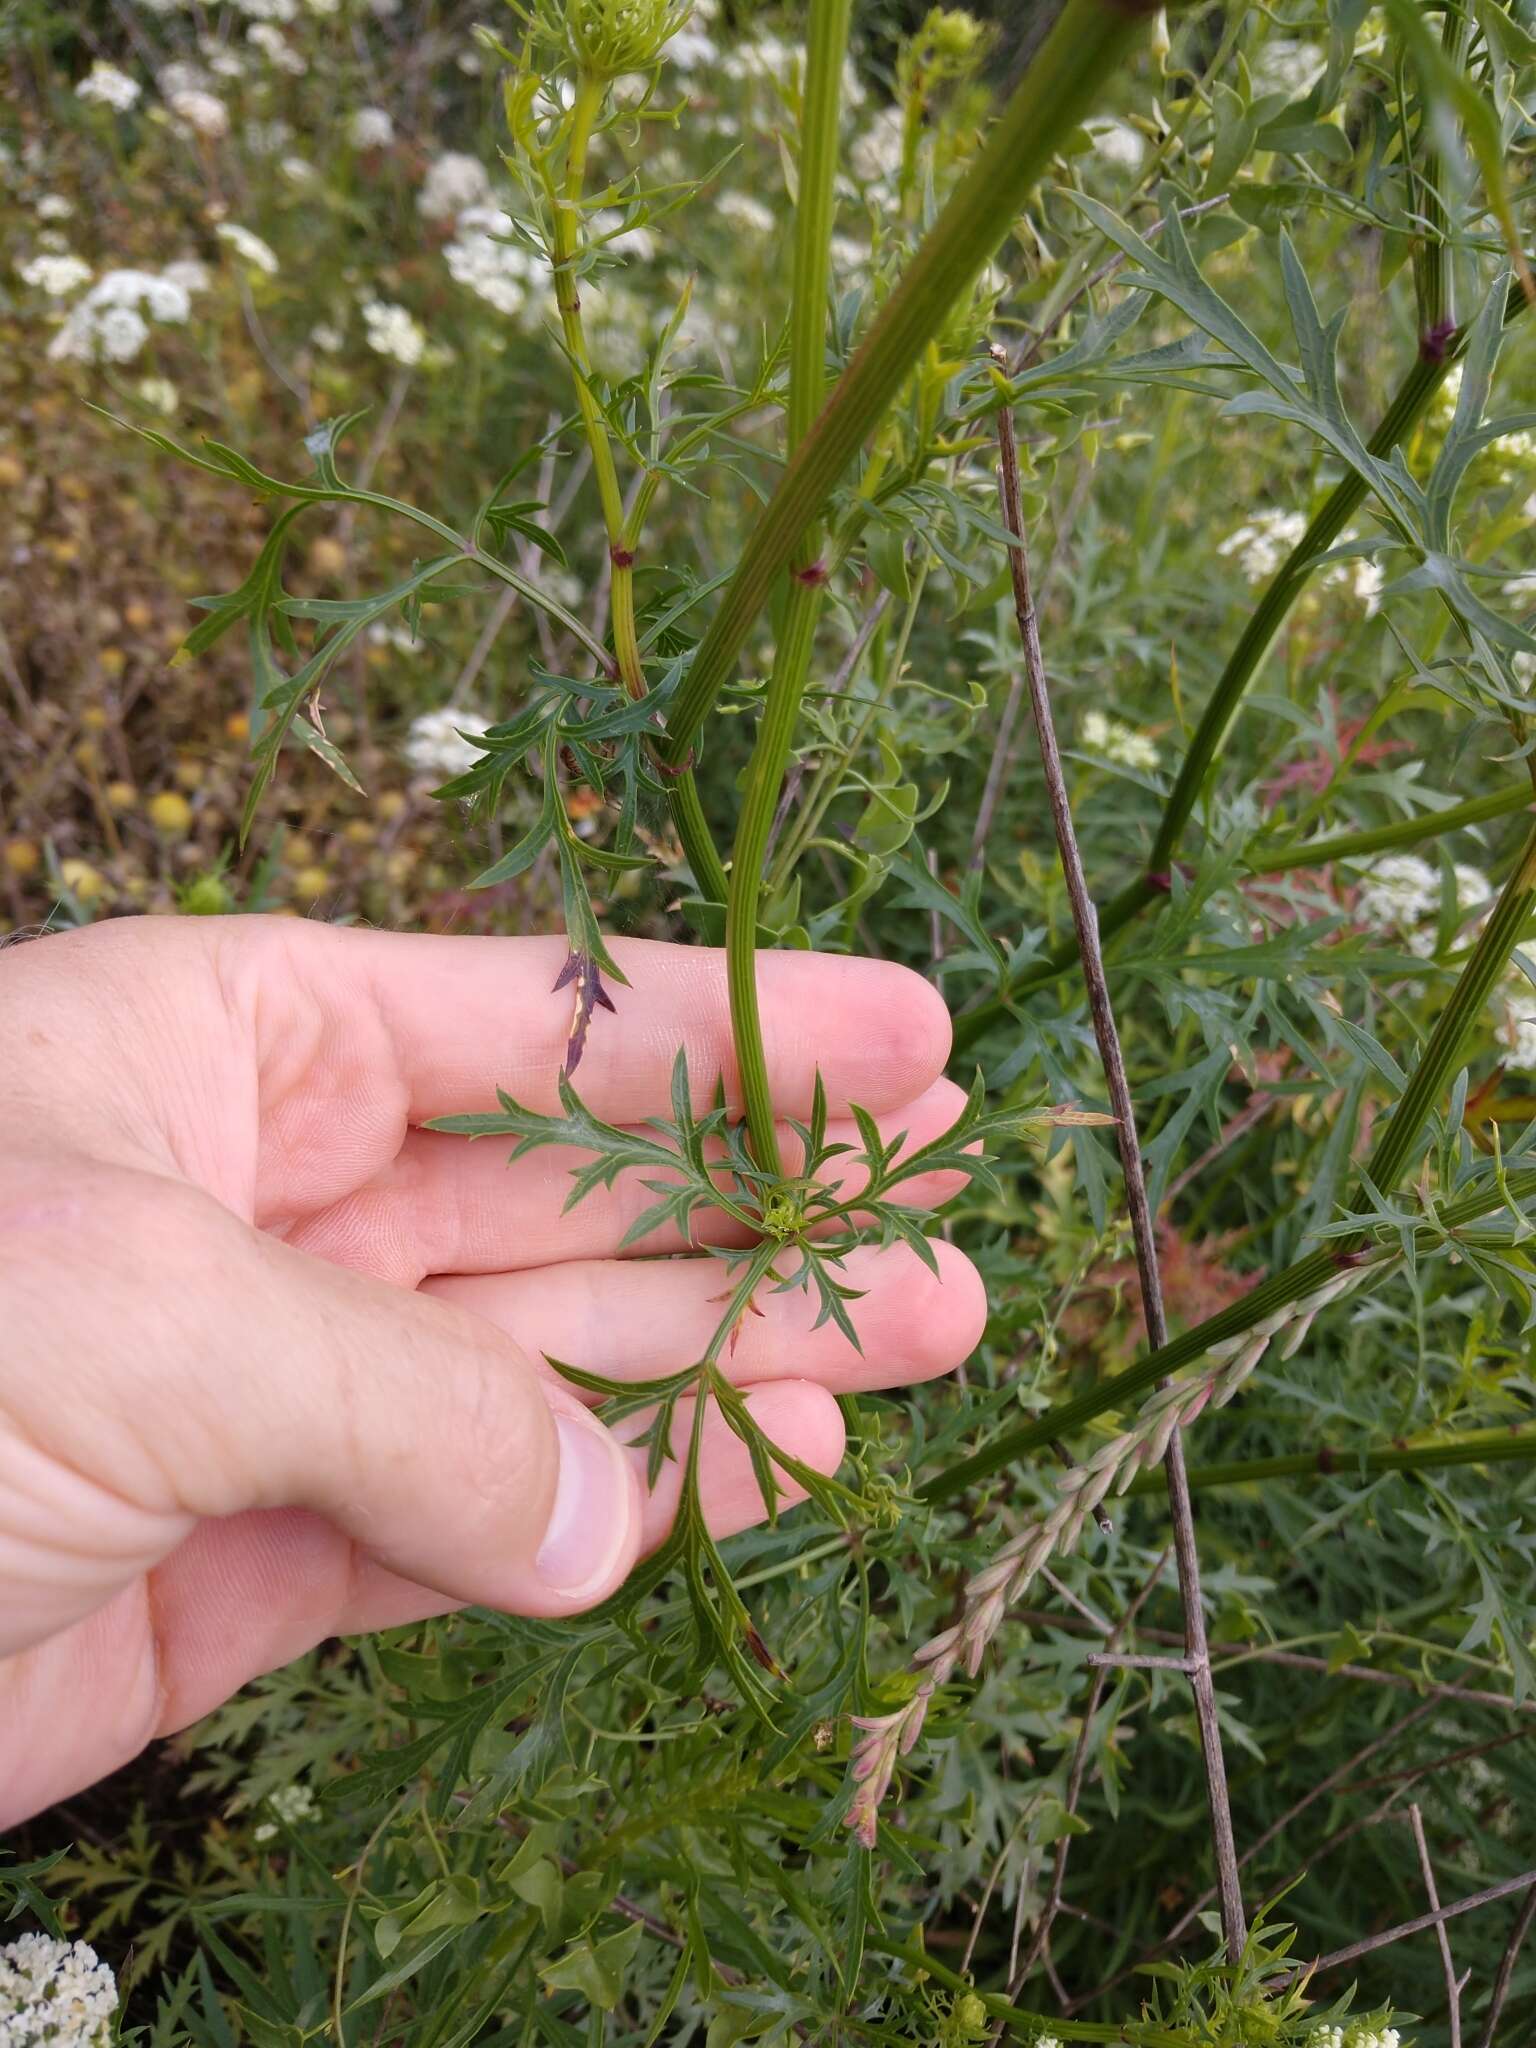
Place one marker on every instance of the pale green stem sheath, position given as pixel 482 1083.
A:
pixel 1061 86
pixel 814 211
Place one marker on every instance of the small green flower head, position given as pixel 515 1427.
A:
pixel 954 37
pixel 608 39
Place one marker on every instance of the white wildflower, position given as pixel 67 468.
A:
pixel 159 393
pixel 54 1992
pixel 453 182
pixel 690 49
pixel 110 321
pixel 298 170
pixel 1366 580
pixel 203 112
pixel 291 1805
pixel 328 339
pixel 1515 1001
pixel 58 276
pixel 224 63
pixel 276 48
pixel 120 333
pixel 269 10
pixel 251 249
pixel 187 272
pixel 54 206
pixel 108 87
pixel 1263 544
pixel 436 744
pixel 181 77
pixel 483 258
pixel 371 128
pixel 1398 893
pixel 1117 742
pixel 606 225
pixel 742 210
pixel 392 332
pixel 1118 143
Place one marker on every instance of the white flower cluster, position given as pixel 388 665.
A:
pixel 1263 544
pixel 250 248
pixel 1353 2037
pixel 111 323
pixel 291 1805
pixel 1118 143
pixel 371 128
pixel 56 273
pixel 108 87
pixel 453 183
pixel 1516 1028
pixel 1117 742
pixel 875 156
pixel 1401 893
pixel 482 258
pixel 201 111
pixel 54 1994
pixel 436 744
pixel 391 331
pixel 267 37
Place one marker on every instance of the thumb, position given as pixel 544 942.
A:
pixel 166 1362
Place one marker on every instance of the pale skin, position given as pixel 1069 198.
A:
pixel 272 1366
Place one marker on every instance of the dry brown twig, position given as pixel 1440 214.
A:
pixel 1432 1893
pixel 1085 923
pixel 1501 1983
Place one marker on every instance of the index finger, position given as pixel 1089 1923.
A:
pixel 466 1016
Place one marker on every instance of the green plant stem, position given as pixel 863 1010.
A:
pixel 1142 2034
pixel 1317 853
pixel 565 208
pixel 1408 405
pixel 1089 40
pixel 1292 1283
pixel 1477 1447
pixel 814 212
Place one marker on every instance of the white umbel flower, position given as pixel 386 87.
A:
pixel 292 1805
pixel 1398 892
pixel 371 128
pixel 203 112
pixel 742 210
pixel 436 744
pixel 1117 742
pixel 498 270
pixel 453 183
pixel 58 276
pixel 108 87
pixel 1264 542
pixel 390 331
pixel 54 1994
pixel 251 249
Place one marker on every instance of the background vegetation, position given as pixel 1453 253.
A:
pixel 240 223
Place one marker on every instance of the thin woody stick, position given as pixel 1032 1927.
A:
pixel 1085 923
pixel 1501 1983
pixel 1432 1893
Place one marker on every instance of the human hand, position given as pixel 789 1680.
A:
pixel 272 1364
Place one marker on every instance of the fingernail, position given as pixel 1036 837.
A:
pixel 589 1526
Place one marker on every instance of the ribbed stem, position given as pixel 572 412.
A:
pixel 815 205
pixel 1278 1291
pixel 1476 1447
pixel 1061 85
pixel 1316 853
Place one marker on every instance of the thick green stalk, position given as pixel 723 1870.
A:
pixel 1476 1447
pixel 1060 87
pixel 1290 579
pixel 815 207
pixel 1316 853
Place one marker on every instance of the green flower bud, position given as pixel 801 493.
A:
pixel 609 38
pixel 205 896
pixel 971 2013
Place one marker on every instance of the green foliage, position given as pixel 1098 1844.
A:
pixel 1287 626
